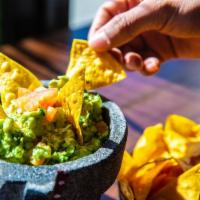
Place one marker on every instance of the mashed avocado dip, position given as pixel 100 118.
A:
pixel 45 138
pixel 60 123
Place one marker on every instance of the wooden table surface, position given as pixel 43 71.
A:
pixel 144 100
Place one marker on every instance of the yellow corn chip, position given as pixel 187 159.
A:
pixel 183 149
pixel 185 187
pixel 12 76
pixel 127 165
pixel 150 156
pixel 126 190
pixel 2 113
pixel 180 146
pixel 71 97
pixel 189 183
pixel 160 156
pixel 169 173
pixel 78 46
pixel 182 139
pixel 152 145
pixel 101 68
pixel 17 73
pixel 196 130
pixel 8 94
pixel 181 125
pixel 141 179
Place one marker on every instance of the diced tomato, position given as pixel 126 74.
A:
pixel 48 98
pixel 51 114
pixel 40 98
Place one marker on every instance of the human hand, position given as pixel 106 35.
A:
pixel 144 33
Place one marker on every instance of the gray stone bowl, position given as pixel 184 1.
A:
pixel 83 179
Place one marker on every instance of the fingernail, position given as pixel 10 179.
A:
pixel 134 65
pixel 152 65
pixel 117 54
pixel 99 42
pixel 133 62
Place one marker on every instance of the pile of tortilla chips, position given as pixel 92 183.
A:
pixel 87 70
pixel 165 164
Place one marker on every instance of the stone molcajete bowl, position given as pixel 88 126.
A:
pixel 83 179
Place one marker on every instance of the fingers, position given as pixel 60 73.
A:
pixel 151 66
pixel 132 61
pixel 117 54
pixel 107 11
pixel 123 27
pixel 148 66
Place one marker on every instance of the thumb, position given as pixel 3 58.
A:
pixel 146 16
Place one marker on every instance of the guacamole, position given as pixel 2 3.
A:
pixel 35 138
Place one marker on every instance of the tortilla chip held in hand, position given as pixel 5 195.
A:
pixel 101 69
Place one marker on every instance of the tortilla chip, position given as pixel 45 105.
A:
pixel 22 91
pixel 101 68
pixel 141 180
pixel 2 113
pixel 181 125
pixel 71 98
pixel 126 190
pixel 78 46
pixel 17 73
pixel 150 146
pixel 169 173
pixel 161 156
pixel 196 130
pixel 127 165
pixel 168 192
pixel 13 76
pixel 189 183
pixel 182 148
pixel 182 139
pixel 150 156
pixel 185 187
